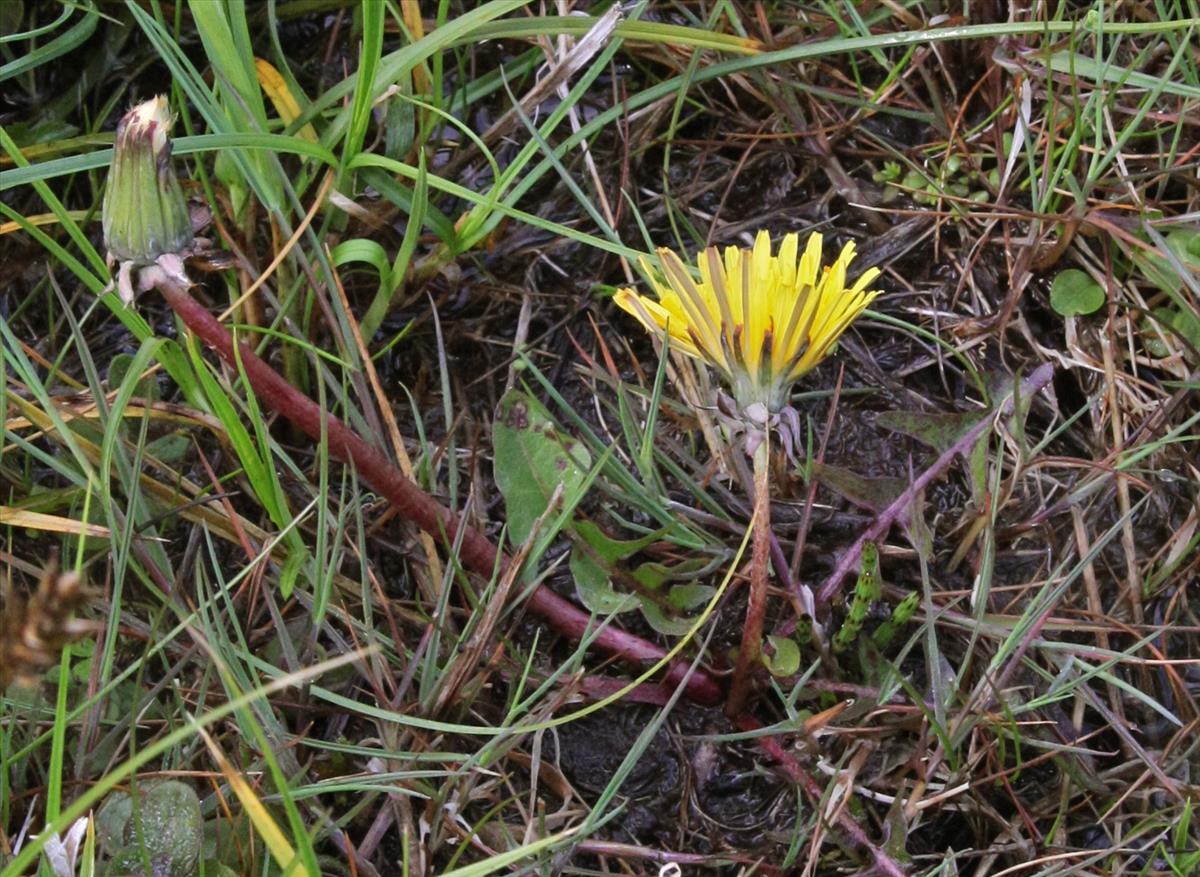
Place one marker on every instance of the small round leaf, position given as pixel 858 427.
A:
pixel 1074 293
pixel 782 656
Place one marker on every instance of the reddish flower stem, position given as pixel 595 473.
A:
pixel 477 552
pixel 756 605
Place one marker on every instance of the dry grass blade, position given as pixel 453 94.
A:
pixel 264 823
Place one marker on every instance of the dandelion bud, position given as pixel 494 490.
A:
pixel 145 214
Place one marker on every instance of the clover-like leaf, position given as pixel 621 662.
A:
pixel 164 830
pixel 1074 293
pixel 781 656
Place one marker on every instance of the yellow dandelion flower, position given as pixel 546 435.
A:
pixel 760 319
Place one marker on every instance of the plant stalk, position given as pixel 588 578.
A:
pixel 1037 380
pixel 477 552
pixel 760 559
pixel 884 864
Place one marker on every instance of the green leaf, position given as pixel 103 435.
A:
pixel 781 656
pixel 1074 293
pixel 1183 825
pixel 665 606
pixel 613 550
pixel 1159 270
pixel 532 458
pixel 1157 326
pixel 371 24
pixel 874 494
pixel 170 448
pixel 63 44
pixel 593 560
pixel 398 271
pixel 940 431
pixel 896 832
pixel 42 131
pixel 118 369
pixel 225 34
pixel 1187 324
pixel 164 828
pixel 594 586
pixel 254 454
pixel 1076 64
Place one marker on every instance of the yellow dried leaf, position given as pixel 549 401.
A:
pixel 275 88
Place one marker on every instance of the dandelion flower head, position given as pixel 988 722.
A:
pixel 761 319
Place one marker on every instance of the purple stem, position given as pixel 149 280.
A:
pixel 1040 377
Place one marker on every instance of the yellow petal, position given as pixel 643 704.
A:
pixel 810 262
pixel 761 319
pixel 657 319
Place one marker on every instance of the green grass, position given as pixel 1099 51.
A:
pixel 387 705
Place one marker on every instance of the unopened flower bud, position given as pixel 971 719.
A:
pixel 145 213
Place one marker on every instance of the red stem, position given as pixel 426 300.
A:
pixel 884 864
pixel 477 552
pixel 756 605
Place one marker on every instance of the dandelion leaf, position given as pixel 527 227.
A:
pixel 940 431
pixel 872 493
pixel 532 458
pixel 593 561
pixel 670 593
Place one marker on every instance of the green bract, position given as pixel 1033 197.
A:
pixel 145 214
